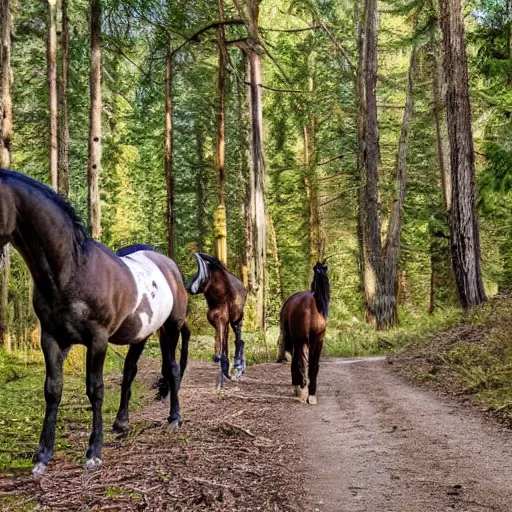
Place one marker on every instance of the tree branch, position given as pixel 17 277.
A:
pixel 195 37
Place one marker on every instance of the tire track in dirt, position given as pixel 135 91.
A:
pixel 377 443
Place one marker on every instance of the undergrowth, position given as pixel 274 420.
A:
pixel 22 406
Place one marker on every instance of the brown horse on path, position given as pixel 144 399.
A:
pixel 86 294
pixel 225 295
pixel 303 320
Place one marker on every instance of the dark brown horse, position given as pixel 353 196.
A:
pixel 86 294
pixel 225 295
pixel 303 321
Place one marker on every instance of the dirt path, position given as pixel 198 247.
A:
pixel 377 443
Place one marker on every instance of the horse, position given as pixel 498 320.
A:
pixel 86 294
pixel 225 295
pixel 303 321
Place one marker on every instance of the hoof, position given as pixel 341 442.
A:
pixel 312 400
pixel 172 426
pixel 302 394
pixel 93 463
pixel 296 390
pixel 237 375
pixel 38 470
pixel 120 426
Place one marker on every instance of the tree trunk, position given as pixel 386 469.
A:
pixel 220 214
pixel 51 62
pixel 387 314
pixel 94 164
pixel 201 179
pixel 169 178
pixel 443 149
pixel 465 237
pixel 258 213
pixel 247 252
pixel 5 152
pixel 311 184
pixel 63 124
pixel 368 157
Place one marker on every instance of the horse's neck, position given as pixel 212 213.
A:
pixel 217 284
pixel 44 238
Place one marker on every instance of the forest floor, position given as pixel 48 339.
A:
pixel 408 433
pixel 375 442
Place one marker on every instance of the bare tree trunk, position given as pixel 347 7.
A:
pixel 311 184
pixel 443 150
pixel 369 220
pixel 220 214
pixel 257 165
pixel 387 315
pixel 169 178
pixel 201 190
pixel 94 164
pixel 242 114
pixel 51 62
pixel 5 152
pixel 63 125
pixel 465 237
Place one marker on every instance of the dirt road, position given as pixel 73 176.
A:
pixel 375 443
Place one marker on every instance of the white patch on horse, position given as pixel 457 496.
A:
pixel 202 274
pixel 153 288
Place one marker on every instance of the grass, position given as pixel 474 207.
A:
pixel 22 407
pixel 472 354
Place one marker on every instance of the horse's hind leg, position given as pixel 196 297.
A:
pixel 169 336
pixel 96 353
pixel 314 358
pixel 239 350
pixel 185 338
pixel 129 372
pixel 299 370
pixel 54 358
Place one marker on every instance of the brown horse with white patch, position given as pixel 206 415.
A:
pixel 225 295
pixel 86 294
pixel 303 321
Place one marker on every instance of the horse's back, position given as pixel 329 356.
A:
pixel 300 318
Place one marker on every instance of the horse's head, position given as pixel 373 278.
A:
pixel 7 214
pixel 199 281
pixel 320 268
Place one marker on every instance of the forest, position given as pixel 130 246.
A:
pixel 273 135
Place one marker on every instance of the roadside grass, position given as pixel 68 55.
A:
pixel 473 356
pixel 22 406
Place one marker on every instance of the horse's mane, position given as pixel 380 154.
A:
pixel 321 292
pixel 130 249
pixel 77 223
pixel 215 264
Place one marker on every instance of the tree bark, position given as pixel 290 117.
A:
pixel 169 178
pixel 257 166
pixel 63 122
pixel 95 143
pixel 51 62
pixel 465 237
pixel 220 214
pixel 387 315
pixel 368 158
pixel 5 152
pixel 443 149
pixel 201 190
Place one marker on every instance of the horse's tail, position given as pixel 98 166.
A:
pixel 185 337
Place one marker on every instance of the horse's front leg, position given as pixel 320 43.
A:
pixel 54 357
pixel 239 351
pixel 221 325
pixel 96 352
